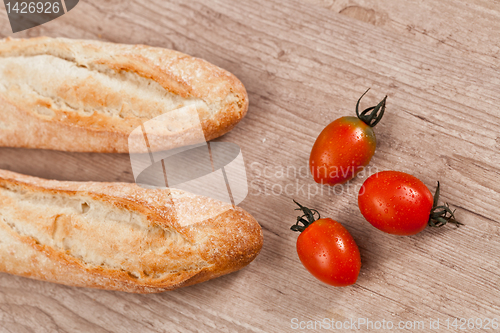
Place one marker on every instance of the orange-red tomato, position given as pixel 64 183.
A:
pixel 345 146
pixel 395 202
pixel 342 150
pixel 400 204
pixel 327 250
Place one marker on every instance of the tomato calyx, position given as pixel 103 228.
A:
pixel 309 214
pixel 371 116
pixel 441 215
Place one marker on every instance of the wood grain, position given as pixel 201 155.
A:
pixel 303 67
pixel 469 26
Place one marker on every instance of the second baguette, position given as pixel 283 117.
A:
pixel 119 236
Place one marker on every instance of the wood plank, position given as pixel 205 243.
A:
pixel 469 26
pixel 303 67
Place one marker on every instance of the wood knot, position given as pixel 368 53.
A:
pixel 365 14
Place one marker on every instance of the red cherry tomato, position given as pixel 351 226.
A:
pixel 327 250
pixel 400 204
pixel 345 146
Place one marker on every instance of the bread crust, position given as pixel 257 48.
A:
pixel 154 251
pixel 77 100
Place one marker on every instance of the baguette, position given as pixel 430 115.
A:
pixel 88 96
pixel 119 236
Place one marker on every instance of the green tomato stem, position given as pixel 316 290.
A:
pixel 309 214
pixel 441 215
pixel 370 116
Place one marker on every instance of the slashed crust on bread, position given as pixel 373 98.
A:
pixel 88 96
pixel 119 236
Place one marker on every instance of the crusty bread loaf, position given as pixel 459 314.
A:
pixel 88 96
pixel 119 236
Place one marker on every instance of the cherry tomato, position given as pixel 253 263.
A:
pixel 327 250
pixel 345 146
pixel 400 204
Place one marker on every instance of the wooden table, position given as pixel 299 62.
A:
pixel 304 64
